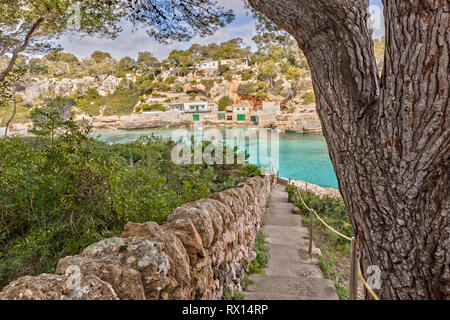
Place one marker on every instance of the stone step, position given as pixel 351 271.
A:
pixel 269 296
pixel 295 254
pixel 280 206
pixel 285 235
pixel 291 273
pixel 284 268
pixel 277 287
pixel 283 219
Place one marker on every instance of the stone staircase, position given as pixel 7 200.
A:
pixel 291 274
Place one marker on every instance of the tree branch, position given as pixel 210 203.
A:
pixel 24 45
pixel 13 115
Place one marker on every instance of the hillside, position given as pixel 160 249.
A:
pixel 101 86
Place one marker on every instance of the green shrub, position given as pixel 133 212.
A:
pixel 233 294
pixel 170 80
pixel 223 69
pixel 246 74
pixel 228 76
pixel 261 89
pixel 121 102
pixel 262 255
pixel 224 102
pixel 153 107
pixel 158 95
pixel 193 95
pixel 309 98
pixel 245 89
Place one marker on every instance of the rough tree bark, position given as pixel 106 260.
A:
pixel 388 137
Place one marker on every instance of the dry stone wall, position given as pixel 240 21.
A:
pixel 204 247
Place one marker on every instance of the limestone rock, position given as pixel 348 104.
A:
pixel 200 219
pixel 40 88
pixel 59 287
pixel 125 281
pixel 188 235
pixel 144 256
pixel 179 271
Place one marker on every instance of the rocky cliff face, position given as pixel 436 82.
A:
pixel 41 88
pixel 204 247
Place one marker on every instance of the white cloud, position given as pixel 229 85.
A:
pixel 130 43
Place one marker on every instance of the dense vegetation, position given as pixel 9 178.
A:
pixel 62 190
pixel 262 254
pixel 335 258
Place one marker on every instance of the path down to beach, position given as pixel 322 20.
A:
pixel 291 274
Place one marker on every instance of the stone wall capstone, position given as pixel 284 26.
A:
pixel 204 247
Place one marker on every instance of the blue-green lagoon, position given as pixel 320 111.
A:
pixel 301 156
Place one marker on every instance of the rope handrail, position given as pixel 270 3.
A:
pixel 366 285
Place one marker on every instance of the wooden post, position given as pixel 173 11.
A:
pixel 310 232
pixel 353 271
pixel 295 196
pixel 278 175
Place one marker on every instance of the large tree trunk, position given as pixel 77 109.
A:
pixel 388 138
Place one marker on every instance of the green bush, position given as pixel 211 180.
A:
pixel 193 95
pixel 158 95
pixel 262 255
pixel 153 107
pixel 245 89
pixel 309 98
pixel 223 69
pixel 224 102
pixel 170 80
pixel 246 74
pixel 228 76
pixel 121 102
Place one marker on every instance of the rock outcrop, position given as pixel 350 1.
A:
pixel 59 287
pixel 204 247
pixel 42 88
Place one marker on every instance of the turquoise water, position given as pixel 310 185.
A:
pixel 301 156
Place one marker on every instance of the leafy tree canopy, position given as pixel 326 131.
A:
pixel 32 25
pixel 100 56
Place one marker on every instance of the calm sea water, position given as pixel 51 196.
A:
pixel 301 156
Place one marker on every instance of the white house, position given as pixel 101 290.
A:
pixel 177 107
pixel 237 64
pixel 209 65
pixel 198 106
pixel 240 113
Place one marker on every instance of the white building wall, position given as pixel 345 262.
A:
pixel 271 107
pixel 209 65
pixel 241 110
pixel 192 106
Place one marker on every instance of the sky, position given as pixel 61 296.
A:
pixel 129 43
